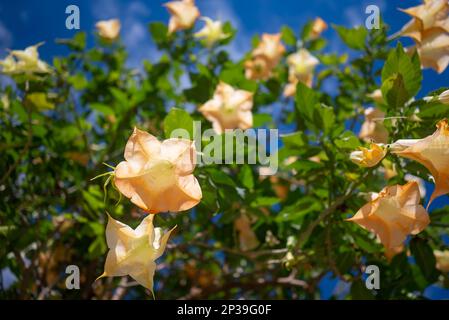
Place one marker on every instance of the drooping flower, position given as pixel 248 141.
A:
pixel 432 152
pixel 211 32
pixel 247 237
pixel 157 176
pixel 301 67
pixel 442 260
pixel 24 61
pixel 183 15
pixel 264 57
pixel 229 108
pixel 318 26
pixel 433 14
pixel 373 129
pixel 368 157
pixel 133 252
pixel 108 29
pixel 393 215
pixel 434 50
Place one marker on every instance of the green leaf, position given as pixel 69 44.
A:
pixel 159 32
pixel 317 44
pixel 394 92
pixel 294 140
pixel 102 108
pixel 306 31
pixel 324 117
pixel 425 259
pixel 360 292
pixel 78 81
pixel 434 111
pixel 305 99
pixel 288 36
pixel 178 119
pixel 354 38
pixel 235 76
pixel 264 202
pixel 5 230
pixel 202 88
pixel 77 43
pixel 399 62
pixel 120 97
pixel 347 140
pixel 219 177
pixel 246 177
pixel 39 101
pixel 261 119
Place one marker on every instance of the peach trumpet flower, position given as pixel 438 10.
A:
pixel 133 251
pixel 183 15
pixel 108 29
pixel 432 152
pixel 229 108
pixel 301 67
pixel 392 215
pixel 211 32
pixel 432 14
pixel 157 176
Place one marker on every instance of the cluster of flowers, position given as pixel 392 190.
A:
pixel 429 28
pixel 395 212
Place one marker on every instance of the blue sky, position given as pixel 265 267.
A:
pixel 26 22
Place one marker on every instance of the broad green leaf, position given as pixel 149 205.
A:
pixel 324 117
pixel 121 98
pixel 159 32
pixel 219 177
pixel 264 202
pixel 317 44
pixel 347 141
pixel 294 140
pixel 78 81
pixel 399 62
pixel 360 292
pixel 178 119
pixel 394 92
pixel 354 38
pixel 306 100
pixel 424 257
pixel 288 36
pixel 39 101
pixel 246 177
pixel 103 108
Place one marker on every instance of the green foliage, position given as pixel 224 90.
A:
pixel 178 119
pixel 401 77
pixel 354 38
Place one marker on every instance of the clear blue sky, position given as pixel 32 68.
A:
pixel 26 22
